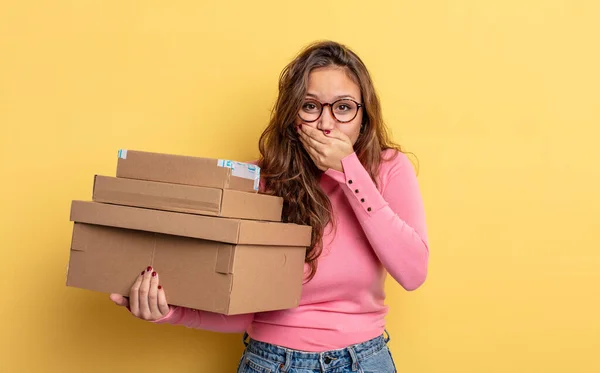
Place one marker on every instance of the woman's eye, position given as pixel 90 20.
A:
pixel 309 106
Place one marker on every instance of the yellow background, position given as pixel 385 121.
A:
pixel 498 99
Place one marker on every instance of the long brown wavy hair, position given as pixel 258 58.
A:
pixel 286 167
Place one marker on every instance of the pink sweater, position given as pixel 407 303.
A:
pixel 379 231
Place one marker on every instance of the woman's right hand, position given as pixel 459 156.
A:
pixel 147 299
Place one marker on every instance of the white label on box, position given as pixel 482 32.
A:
pixel 224 163
pixel 257 179
pixel 244 170
pixel 123 153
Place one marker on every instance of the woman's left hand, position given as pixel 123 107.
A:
pixel 326 148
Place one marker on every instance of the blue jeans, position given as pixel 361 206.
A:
pixel 372 356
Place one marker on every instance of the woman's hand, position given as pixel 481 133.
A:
pixel 326 148
pixel 147 299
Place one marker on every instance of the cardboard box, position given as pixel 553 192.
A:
pixel 187 170
pixel 228 266
pixel 186 198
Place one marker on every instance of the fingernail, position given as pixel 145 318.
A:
pixel 153 274
pixel 143 272
pixel 149 269
pixel 159 287
pixel 327 132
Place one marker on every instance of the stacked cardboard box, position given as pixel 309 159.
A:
pixel 217 244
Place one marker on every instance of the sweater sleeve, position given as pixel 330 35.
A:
pixel 196 319
pixel 393 221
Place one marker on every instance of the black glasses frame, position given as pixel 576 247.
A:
pixel 323 104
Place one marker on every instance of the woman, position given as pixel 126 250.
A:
pixel 327 153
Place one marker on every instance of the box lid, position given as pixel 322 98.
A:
pixel 229 230
pixel 187 198
pixel 188 170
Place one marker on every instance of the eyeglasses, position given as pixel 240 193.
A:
pixel 343 110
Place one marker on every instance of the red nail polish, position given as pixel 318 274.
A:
pixel 153 274
pixel 149 269
pixel 327 132
pixel 143 272
pixel 159 287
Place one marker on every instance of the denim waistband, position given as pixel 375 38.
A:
pixel 323 361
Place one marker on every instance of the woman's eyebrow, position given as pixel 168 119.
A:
pixel 334 99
